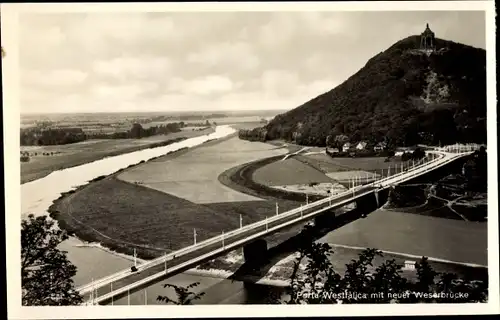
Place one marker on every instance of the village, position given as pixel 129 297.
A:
pixel 341 146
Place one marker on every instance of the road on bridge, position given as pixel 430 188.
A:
pixel 155 270
pixel 231 239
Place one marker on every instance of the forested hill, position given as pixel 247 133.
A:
pixel 402 96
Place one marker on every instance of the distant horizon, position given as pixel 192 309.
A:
pixel 163 112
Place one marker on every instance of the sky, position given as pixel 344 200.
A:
pixel 204 61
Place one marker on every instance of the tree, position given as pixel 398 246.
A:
pixel 363 283
pixel 388 98
pixel 137 131
pixel 184 295
pixel 328 140
pixel 46 273
pixel 418 154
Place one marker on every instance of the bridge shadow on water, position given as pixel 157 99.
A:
pixel 253 271
pixel 250 273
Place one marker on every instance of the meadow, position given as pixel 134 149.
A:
pixel 287 172
pixel 123 216
pixel 328 164
pixel 122 212
pixel 156 206
pixel 314 172
pixel 70 155
pixel 126 215
pixel 194 175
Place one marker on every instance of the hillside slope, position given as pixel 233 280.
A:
pixel 402 96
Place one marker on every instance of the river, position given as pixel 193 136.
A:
pixel 94 263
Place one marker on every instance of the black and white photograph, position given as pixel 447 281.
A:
pixel 235 154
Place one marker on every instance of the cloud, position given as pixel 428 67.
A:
pixel 279 82
pixel 125 61
pixel 120 92
pixel 133 67
pixel 229 55
pixel 55 78
pixel 318 87
pixel 212 84
pixel 279 30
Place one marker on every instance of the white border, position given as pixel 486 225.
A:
pixel 9 14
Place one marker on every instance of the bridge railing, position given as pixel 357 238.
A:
pixel 296 210
pixel 417 170
pixel 221 249
pixel 425 169
pixel 446 161
pixel 420 164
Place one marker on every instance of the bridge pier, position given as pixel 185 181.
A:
pixel 371 202
pixel 255 252
pixel 324 219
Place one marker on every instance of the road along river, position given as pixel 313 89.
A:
pixel 95 262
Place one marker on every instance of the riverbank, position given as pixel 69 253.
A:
pixel 278 276
pixel 156 228
pixel 240 178
pixel 146 214
pixel 61 208
pixel 61 211
pixel 72 155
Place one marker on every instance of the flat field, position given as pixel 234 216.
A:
pixel 70 155
pixel 194 175
pixel 327 164
pixel 128 214
pixel 316 173
pixel 122 216
pixel 288 172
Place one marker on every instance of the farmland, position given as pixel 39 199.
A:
pixel 58 157
pixel 116 122
pixel 45 159
pixel 314 172
pixel 194 175
pixel 124 215
pixel 328 164
pixel 289 171
pixel 155 206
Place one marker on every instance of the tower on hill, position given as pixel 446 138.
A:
pixel 427 39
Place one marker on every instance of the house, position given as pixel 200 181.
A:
pixel 361 145
pixel 346 147
pixel 380 146
pixel 409 265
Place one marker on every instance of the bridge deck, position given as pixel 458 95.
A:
pixel 230 243
pixel 186 258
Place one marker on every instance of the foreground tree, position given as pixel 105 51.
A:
pixel 362 283
pixel 46 273
pixel 184 295
pixel 319 283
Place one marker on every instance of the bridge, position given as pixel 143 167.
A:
pixel 249 237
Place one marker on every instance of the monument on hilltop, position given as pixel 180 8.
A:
pixel 427 40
